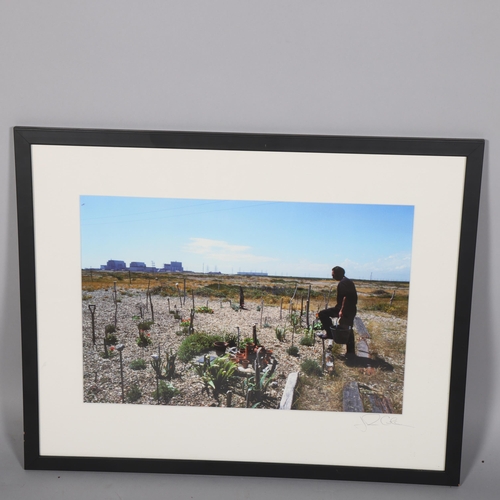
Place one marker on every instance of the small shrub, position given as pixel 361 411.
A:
pixel 144 326
pixel 133 394
pixel 231 339
pixel 143 340
pixel 111 339
pixel 293 350
pixel 311 367
pixel 308 338
pixel 137 364
pixel 280 333
pixel 196 343
pixel 86 296
pixel 109 329
pixel 165 392
pixel 204 309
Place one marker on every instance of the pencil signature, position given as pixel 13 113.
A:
pixel 369 420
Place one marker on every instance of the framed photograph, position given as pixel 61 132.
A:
pixel 246 304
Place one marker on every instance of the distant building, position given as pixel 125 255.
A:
pixel 115 265
pixel 173 267
pixel 251 273
pixel 138 266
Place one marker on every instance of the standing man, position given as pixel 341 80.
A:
pixel 345 309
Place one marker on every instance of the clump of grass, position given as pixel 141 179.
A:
pixel 165 392
pixel 280 332
pixel 311 367
pixel 293 350
pixel 133 394
pixel 137 364
pixel 194 344
pixel 204 309
pixel 308 338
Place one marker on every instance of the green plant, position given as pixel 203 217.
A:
pixel 108 353
pixel 86 296
pixel 293 350
pixel 109 329
pixel 280 333
pixel 169 366
pixel 255 390
pixel 216 375
pixel 311 367
pixel 133 394
pixel 110 339
pixel 308 338
pixel 204 309
pixel 144 339
pixel 144 326
pixel 235 307
pixel 137 364
pixel 194 344
pixel 165 392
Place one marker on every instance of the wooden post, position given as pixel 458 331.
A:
pixel 301 305
pixel 92 313
pixel 191 320
pixel 152 312
pixel 261 311
pixel 254 333
pixel 115 300
pixel 147 296
pixel 168 304
pixel 281 308
pixel 184 291
pixel 307 305
pixel 242 298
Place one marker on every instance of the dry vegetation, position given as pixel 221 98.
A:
pixel 267 304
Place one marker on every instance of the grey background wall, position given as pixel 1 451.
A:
pixel 388 68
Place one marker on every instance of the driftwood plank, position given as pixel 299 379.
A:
pixel 352 399
pixel 288 393
pixel 380 404
pixel 362 349
pixel 361 328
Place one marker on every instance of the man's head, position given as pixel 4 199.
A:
pixel 338 273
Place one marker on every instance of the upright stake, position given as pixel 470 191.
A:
pixel 281 308
pixel 152 312
pixel 115 300
pixel 184 291
pixel 92 313
pixel 119 348
pixel 254 333
pixel 307 305
pixel 147 295
pixel 129 278
pixel 192 295
pixel 261 311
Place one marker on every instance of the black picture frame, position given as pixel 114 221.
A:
pixel 468 151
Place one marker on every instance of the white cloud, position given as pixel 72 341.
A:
pixel 222 251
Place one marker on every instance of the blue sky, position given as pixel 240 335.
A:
pixel 280 238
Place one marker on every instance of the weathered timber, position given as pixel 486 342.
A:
pixel 361 328
pixel 380 404
pixel 362 349
pixel 288 393
pixel 351 398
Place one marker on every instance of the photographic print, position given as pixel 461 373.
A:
pixel 223 303
pixel 188 286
